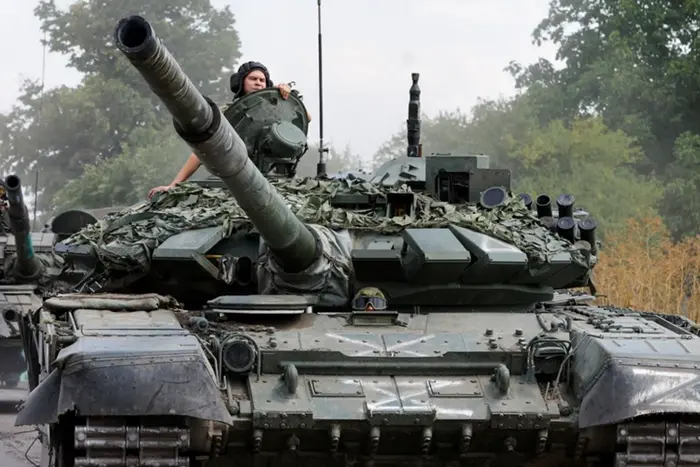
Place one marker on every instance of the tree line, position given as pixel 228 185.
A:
pixel 616 125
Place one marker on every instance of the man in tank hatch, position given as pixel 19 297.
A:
pixel 250 77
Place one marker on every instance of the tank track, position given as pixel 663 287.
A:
pixel 658 444
pixel 102 442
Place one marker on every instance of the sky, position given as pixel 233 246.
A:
pixel 370 48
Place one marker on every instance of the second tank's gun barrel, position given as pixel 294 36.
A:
pixel 28 265
pixel 220 149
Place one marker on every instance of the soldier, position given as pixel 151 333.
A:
pixel 250 77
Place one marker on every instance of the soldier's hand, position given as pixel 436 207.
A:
pixel 284 90
pixel 158 189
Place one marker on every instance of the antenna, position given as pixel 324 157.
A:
pixel 322 150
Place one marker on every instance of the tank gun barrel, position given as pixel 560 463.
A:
pixel 201 124
pixel 28 265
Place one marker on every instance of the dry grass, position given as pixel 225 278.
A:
pixel 643 268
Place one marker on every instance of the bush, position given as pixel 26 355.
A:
pixel 641 267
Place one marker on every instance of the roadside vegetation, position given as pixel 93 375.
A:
pixel 642 267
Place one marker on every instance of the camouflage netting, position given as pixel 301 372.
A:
pixel 124 241
pixel 53 265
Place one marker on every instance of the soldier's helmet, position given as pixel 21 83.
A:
pixel 369 299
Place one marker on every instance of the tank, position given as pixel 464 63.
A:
pixel 19 270
pixel 28 269
pixel 268 320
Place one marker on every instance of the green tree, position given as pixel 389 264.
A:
pixel 112 109
pixel 680 205
pixel 201 38
pixel 125 178
pixel 636 65
pixel 591 162
pixel 633 63
pixel 582 157
pixel 78 126
pixel 496 128
pixel 443 133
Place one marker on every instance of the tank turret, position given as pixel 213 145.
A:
pixel 27 265
pixel 201 124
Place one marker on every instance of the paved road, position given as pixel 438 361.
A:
pixel 14 441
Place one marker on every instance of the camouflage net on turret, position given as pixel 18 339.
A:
pixel 124 241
